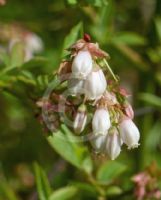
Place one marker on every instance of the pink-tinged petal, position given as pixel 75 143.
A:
pixel 129 111
pixel 96 51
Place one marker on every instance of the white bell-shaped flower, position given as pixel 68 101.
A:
pixel 75 86
pixel 129 133
pixel 101 121
pixel 82 65
pixel 34 42
pixel 113 145
pixel 80 122
pixel 98 142
pixel 80 119
pixel 95 84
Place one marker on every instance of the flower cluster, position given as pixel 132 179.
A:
pixel 84 74
pixel 146 183
pixel 13 34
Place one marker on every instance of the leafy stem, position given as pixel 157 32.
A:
pixel 99 189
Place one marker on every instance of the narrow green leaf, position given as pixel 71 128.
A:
pixel 109 171
pixel 74 34
pixel 150 99
pixel 75 153
pixel 113 190
pixel 72 2
pixel 64 193
pixel 17 55
pixel 43 186
pixel 153 138
pixel 158 27
pixel 97 3
pixel 129 38
pixel 35 62
pixel 6 192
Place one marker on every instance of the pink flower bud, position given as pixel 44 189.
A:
pixel 82 64
pixel 129 111
pixel 101 121
pixel 113 145
pixel 95 85
pixel 129 133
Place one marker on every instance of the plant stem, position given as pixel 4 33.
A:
pixel 96 185
pixel 110 70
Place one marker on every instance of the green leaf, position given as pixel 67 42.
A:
pixel 64 193
pixel 101 31
pixel 6 192
pixel 35 62
pixel 86 188
pixel 150 99
pixel 66 144
pixel 109 171
pixel 4 58
pixel 72 2
pixel 42 81
pixel 113 190
pixel 97 3
pixel 157 22
pixel 43 186
pixel 128 38
pixel 153 138
pixel 75 33
pixel 17 55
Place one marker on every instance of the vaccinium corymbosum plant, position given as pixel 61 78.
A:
pixel 93 102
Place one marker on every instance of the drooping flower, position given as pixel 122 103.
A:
pixel 95 85
pixel 31 42
pixel 98 142
pixel 82 65
pixel 101 121
pixel 75 86
pixel 129 133
pixel 113 145
pixel 80 119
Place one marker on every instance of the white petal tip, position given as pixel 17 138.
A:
pixel 133 146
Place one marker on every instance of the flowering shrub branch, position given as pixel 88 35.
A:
pixel 92 104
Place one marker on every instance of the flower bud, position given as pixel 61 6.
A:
pixel 101 121
pixel 113 145
pixel 129 133
pixel 95 84
pixel 80 119
pixel 75 86
pixel 34 42
pixel 129 111
pixel 82 64
pixel 98 142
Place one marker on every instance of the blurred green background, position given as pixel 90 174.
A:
pixel 130 31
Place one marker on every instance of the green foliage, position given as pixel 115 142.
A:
pixel 6 192
pixel 43 186
pixel 151 99
pixel 158 27
pixel 65 193
pixel 129 38
pixel 109 171
pixel 97 3
pixel 135 50
pixel 76 153
pixel 75 33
